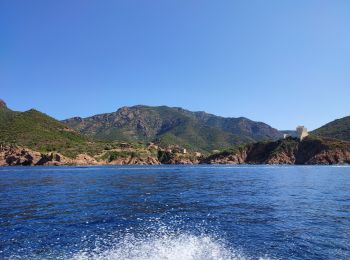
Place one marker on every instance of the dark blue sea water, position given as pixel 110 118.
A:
pixel 175 212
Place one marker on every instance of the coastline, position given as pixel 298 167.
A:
pixel 290 151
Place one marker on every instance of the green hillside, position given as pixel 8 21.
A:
pixel 40 132
pixel 338 129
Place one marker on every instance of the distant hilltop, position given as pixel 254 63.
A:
pixel 2 103
pixel 338 129
pixel 171 125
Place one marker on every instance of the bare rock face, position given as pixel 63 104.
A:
pixel 323 151
pixel 84 159
pixel 169 157
pixel 18 156
pixel 135 161
pixel 49 159
pixel 285 156
pixel 282 158
pixel 227 158
pixel 12 156
pixel 337 156
pixel 179 160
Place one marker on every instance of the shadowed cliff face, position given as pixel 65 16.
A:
pixel 197 130
pixel 288 151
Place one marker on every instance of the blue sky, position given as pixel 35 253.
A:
pixel 281 62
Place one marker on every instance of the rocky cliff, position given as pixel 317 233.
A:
pixel 288 151
pixel 12 155
pixel 19 156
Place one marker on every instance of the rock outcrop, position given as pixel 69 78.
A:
pixel 14 156
pixel 237 157
pixel 167 157
pixel 181 160
pixel 135 161
pixel 18 156
pixel 84 159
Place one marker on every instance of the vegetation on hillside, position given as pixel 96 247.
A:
pixel 171 129
pixel 338 129
pixel 40 132
pixel 197 131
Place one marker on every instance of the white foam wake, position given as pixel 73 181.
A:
pixel 164 247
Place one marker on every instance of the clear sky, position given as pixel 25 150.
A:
pixel 281 62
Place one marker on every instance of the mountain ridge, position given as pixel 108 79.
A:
pixel 199 130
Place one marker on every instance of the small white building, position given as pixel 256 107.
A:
pixel 302 132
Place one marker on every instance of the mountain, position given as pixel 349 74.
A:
pixel 338 129
pixel 40 132
pixel 34 138
pixel 171 125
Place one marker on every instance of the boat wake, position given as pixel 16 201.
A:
pixel 166 247
pixel 163 244
pixel 160 243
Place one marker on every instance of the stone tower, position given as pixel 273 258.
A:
pixel 302 132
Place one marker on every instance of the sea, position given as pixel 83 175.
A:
pixel 175 212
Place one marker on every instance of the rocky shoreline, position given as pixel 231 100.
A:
pixel 310 151
pixel 19 156
pixel 286 151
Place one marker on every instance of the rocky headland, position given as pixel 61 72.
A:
pixel 286 151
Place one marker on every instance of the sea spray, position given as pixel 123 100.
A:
pixel 164 246
pixel 160 241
